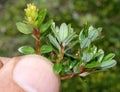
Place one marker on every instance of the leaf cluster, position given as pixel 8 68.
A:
pixel 73 54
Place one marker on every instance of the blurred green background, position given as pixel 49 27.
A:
pixel 100 13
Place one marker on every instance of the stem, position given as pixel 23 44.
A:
pixel 61 54
pixel 82 67
pixel 37 35
pixel 69 76
pixel 76 74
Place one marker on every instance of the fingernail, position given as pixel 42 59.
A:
pixel 33 74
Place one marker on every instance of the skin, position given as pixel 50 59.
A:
pixel 30 73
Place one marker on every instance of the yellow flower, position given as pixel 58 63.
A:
pixel 31 14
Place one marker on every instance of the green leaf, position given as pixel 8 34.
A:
pixel 71 45
pixel 69 38
pixel 109 57
pixel 72 64
pixel 87 56
pixel 76 68
pixel 55 32
pixel 63 32
pixel 100 55
pixel 108 64
pixel 54 42
pixel 71 55
pixel 85 43
pixel 45 26
pixel 92 33
pixel 66 69
pixel 41 16
pixel 81 36
pixel 94 49
pixel 26 50
pixel 93 64
pixel 24 28
pixel 45 49
pixel 57 68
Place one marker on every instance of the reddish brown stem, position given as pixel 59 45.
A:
pixel 82 67
pixel 76 74
pixel 37 35
pixel 69 76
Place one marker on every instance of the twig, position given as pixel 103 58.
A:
pixel 76 74
pixel 69 76
pixel 37 35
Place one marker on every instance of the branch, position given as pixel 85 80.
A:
pixel 69 76
pixel 37 35
pixel 82 74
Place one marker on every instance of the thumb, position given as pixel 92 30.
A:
pixel 3 60
pixel 35 74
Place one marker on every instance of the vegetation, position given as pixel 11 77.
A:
pixel 103 13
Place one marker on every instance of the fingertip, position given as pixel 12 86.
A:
pixel 35 74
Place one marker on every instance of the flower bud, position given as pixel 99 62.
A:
pixel 31 14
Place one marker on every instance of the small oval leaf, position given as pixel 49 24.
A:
pixel 69 38
pixel 76 68
pixel 93 64
pixel 92 33
pixel 109 57
pixel 24 28
pixel 41 16
pixel 54 42
pixel 57 68
pixel 87 56
pixel 26 50
pixel 55 32
pixel 45 49
pixel 108 64
pixel 85 43
pixel 72 64
pixel 45 26
pixel 100 55
pixel 81 36
pixel 63 32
